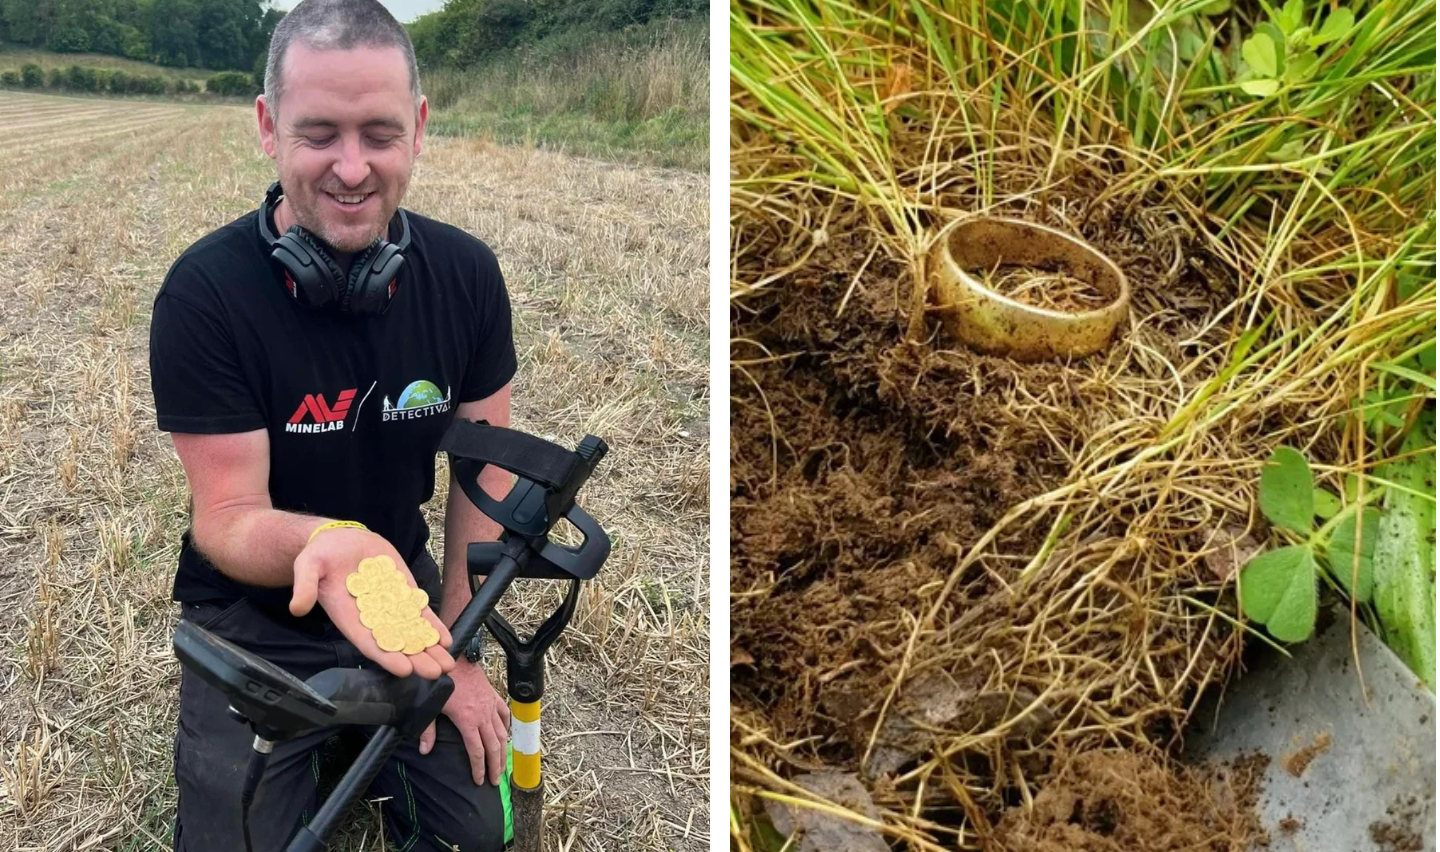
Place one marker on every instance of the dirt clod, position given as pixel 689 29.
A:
pixel 1122 801
pixel 1297 762
pixel 817 831
pixel 1404 830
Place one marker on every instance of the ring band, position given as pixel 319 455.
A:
pixel 998 325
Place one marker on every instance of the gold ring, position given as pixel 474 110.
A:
pixel 999 325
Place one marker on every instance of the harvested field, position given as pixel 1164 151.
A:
pixel 606 266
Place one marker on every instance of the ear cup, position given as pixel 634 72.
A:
pixel 357 299
pixel 372 278
pixel 331 275
pixel 318 280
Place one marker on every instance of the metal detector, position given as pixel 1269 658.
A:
pixel 278 706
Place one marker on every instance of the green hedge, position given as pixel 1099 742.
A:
pixel 231 83
pixel 81 78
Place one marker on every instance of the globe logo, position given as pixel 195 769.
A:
pixel 419 399
pixel 419 394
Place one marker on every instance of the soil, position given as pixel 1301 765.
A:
pixel 1404 831
pixel 1121 801
pixel 1297 762
pixel 862 464
pixel 1043 288
pixel 871 503
pixel 866 462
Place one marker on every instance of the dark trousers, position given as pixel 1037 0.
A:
pixel 432 803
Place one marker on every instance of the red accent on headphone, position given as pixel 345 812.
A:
pixel 392 288
pixel 290 285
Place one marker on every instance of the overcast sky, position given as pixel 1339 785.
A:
pixel 404 11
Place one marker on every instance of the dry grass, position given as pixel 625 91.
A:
pixel 611 79
pixel 606 267
pixel 642 100
pixel 1042 289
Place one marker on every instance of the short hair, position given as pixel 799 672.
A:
pixel 336 25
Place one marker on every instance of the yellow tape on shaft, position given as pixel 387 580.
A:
pixel 525 771
pixel 525 744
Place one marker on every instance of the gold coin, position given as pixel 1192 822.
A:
pixel 415 644
pixel 377 565
pixel 425 631
pixel 370 619
pixel 389 637
pixel 391 586
pixel 366 603
pixel 419 599
pixel 357 584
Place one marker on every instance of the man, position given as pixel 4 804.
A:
pixel 289 413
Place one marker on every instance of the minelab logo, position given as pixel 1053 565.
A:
pixel 325 418
pixel 419 399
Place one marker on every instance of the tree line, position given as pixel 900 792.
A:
pixel 467 32
pixel 216 34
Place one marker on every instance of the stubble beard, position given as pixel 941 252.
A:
pixel 309 218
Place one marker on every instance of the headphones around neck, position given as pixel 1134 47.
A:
pixel 313 278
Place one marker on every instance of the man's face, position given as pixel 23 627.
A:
pixel 347 130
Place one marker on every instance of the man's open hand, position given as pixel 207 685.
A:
pixel 483 719
pixel 320 572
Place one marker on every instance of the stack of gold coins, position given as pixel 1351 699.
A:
pixel 390 608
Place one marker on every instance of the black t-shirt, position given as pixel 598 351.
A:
pixel 354 406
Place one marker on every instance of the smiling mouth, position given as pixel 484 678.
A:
pixel 350 200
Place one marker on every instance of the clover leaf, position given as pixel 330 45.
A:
pixel 1336 27
pixel 1302 67
pixel 1263 54
pixel 1327 504
pixel 1287 492
pixel 1260 55
pixel 1291 16
pixel 1282 49
pixel 1277 588
pixel 1353 570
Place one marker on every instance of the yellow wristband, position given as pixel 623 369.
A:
pixel 335 525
